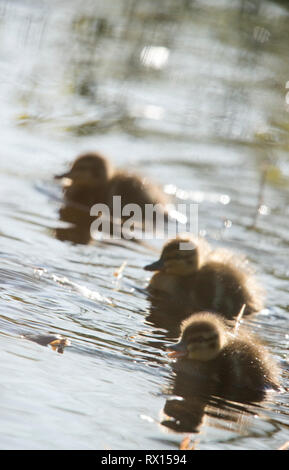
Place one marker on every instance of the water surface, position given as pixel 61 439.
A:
pixel 192 95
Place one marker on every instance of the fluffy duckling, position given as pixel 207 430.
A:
pixel 194 277
pixel 207 348
pixel 94 181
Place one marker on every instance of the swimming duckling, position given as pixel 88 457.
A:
pixel 94 181
pixel 208 349
pixel 193 277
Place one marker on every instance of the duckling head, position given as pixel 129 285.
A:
pixel 179 257
pixel 89 167
pixel 203 336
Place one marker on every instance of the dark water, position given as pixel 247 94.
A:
pixel 192 94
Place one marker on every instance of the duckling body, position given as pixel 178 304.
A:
pixel 85 194
pixel 221 287
pixel 135 190
pixel 200 278
pixel 208 349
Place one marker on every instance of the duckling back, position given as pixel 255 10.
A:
pixel 134 190
pixel 225 283
pixel 245 363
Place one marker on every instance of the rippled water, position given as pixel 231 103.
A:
pixel 192 94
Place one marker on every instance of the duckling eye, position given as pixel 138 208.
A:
pixel 169 258
pixel 82 166
pixel 203 339
pixel 178 256
pixel 85 166
pixel 197 339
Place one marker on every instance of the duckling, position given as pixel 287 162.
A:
pixel 193 277
pixel 208 349
pixel 93 180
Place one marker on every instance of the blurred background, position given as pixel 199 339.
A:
pixel 193 94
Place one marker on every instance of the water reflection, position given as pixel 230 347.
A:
pixel 56 342
pixel 185 410
pixel 79 232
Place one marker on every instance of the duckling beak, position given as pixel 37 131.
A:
pixel 156 266
pixel 65 175
pixel 178 350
